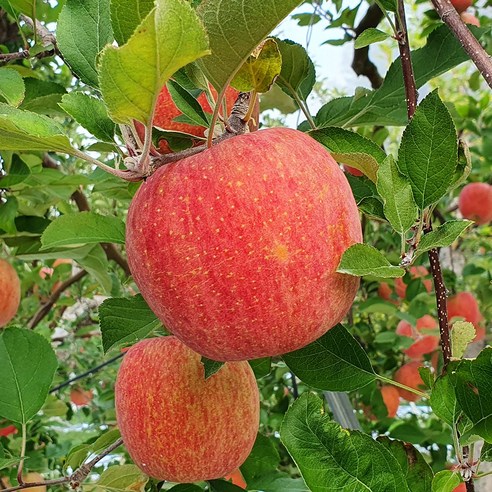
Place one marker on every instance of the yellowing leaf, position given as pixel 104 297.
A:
pixel 462 334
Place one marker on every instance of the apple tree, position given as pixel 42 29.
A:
pixel 193 297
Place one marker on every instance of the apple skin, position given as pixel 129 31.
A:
pixel 391 398
pixel 352 170
pixel 236 478
pixel 236 249
pixel 461 5
pixel 10 291
pixel 415 272
pixel 33 477
pixel 469 18
pixel 424 344
pixel 460 488
pixel 176 425
pixel 7 431
pixel 409 375
pixel 464 305
pixel 80 397
pixel 475 202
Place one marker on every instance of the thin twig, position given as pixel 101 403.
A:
pixel 406 61
pixel 90 372
pixel 470 44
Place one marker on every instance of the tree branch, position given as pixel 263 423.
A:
pixel 76 478
pixel 46 307
pixel 361 63
pixel 470 44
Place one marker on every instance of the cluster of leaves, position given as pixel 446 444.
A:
pixel 40 222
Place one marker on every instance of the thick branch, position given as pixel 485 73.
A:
pixel 361 64
pixel 46 307
pixel 470 44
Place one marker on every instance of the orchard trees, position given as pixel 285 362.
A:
pixel 235 279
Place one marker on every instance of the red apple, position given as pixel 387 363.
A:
pixel 80 397
pixel 7 431
pixel 460 488
pixel 409 375
pixel 391 398
pixel 236 249
pixel 237 479
pixel 385 292
pixel 415 272
pixel 10 291
pixel 469 18
pixel 424 344
pixel 475 202
pixel 177 425
pixel 464 306
pixel 461 5
pixel 352 170
pixel 166 111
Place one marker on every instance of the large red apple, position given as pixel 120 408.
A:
pixel 177 425
pixel 464 305
pixel 9 292
pixel 475 202
pixel 236 249
pixel 424 343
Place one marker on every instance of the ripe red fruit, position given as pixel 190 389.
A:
pixel 415 272
pixel 80 397
pixel 352 170
pixel 385 291
pixel 409 375
pixel 7 431
pixel 9 292
pixel 424 344
pixel 236 249
pixel 469 18
pixel 460 488
pixel 177 425
pixel 464 305
pixel 237 479
pixel 391 398
pixel 475 202
pixel 461 5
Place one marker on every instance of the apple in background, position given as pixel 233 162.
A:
pixel 409 375
pixel 177 425
pixel 236 478
pixel 391 398
pixel 424 344
pixel 461 487
pixel 34 477
pixel 80 397
pixel 352 170
pixel 469 18
pixel 475 202
pixel 461 5
pixel 415 272
pixel 385 292
pixel 166 111
pixel 62 261
pixel 7 431
pixel 464 305
pixel 10 291
pixel 235 249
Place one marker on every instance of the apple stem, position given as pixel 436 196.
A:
pixel 470 44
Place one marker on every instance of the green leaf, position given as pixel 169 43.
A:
pixel 396 191
pixel 362 259
pixel 27 366
pixel 25 6
pixel 331 458
pixel 23 130
pixel 83 228
pixel 8 462
pixel 211 366
pixel 369 36
pixel 486 454
pixel 132 75
pixel 366 196
pixel 125 321
pixel 121 477
pixel 352 149
pixel 43 97
pixel 223 486
pixel 443 236
pixel 462 334
pixel 105 440
pixel 126 15
pixel 277 482
pixel 386 106
pixel 90 113
pixel 260 70
pixel 8 213
pixel 12 87
pixel 428 152
pixel 298 75
pixel 263 459
pixel 261 367
pixel 418 473
pixel 19 171
pixel 84 29
pixel 445 481
pixel 187 104
pixel 334 362
pixel 186 487
pixel 471 381
pixel 235 28
pixel 76 456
